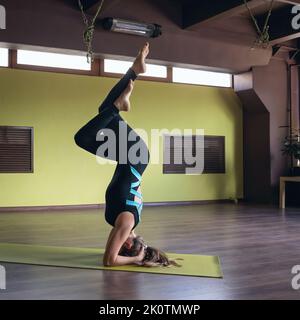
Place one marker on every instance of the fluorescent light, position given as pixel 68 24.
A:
pixel 3 57
pixel 54 60
pixel 150 30
pixel 119 66
pixel 202 77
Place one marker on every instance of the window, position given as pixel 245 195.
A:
pixel 119 66
pixel 3 57
pixel 77 64
pixel 214 154
pixel 54 60
pixel 202 77
pixel 16 149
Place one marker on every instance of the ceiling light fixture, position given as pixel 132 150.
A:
pixel 150 30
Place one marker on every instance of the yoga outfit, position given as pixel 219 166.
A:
pixel 124 187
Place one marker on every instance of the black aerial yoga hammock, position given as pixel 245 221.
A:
pixel 122 189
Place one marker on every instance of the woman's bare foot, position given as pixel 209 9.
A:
pixel 139 65
pixel 123 103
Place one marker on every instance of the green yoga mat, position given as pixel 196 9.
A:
pixel 91 258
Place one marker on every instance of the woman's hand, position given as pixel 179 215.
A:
pixel 140 257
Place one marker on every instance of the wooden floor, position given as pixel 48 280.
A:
pixel 258 246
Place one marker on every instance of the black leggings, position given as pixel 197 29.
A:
pixel 121 193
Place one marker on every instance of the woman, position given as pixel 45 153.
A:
pixel 123 196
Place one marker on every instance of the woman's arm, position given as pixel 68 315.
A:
pixel 117 237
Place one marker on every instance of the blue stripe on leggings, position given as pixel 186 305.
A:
pixel 136 193
pixel 135 172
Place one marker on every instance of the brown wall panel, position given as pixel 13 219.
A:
pixel 58 24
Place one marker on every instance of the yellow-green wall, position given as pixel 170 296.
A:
pixel 57 105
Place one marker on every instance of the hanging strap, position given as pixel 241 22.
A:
pixel 88 33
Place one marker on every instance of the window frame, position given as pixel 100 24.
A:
pixel 168 78
pixel 97 69
pixel 15 65
pixel 8 57
pixel 141 77
pixel 204 85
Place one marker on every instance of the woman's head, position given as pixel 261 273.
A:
pixel 153 257
pixel 132 246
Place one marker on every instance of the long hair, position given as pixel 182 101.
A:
pixel 153 256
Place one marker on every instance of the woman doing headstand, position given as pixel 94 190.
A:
pixel 123 196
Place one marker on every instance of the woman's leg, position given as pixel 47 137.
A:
pixel 121 90
pixel 117 90
pixel 86 136
pixel 108 111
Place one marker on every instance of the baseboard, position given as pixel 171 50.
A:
pixel 101 206
pixel 185 203
pixel 52 208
